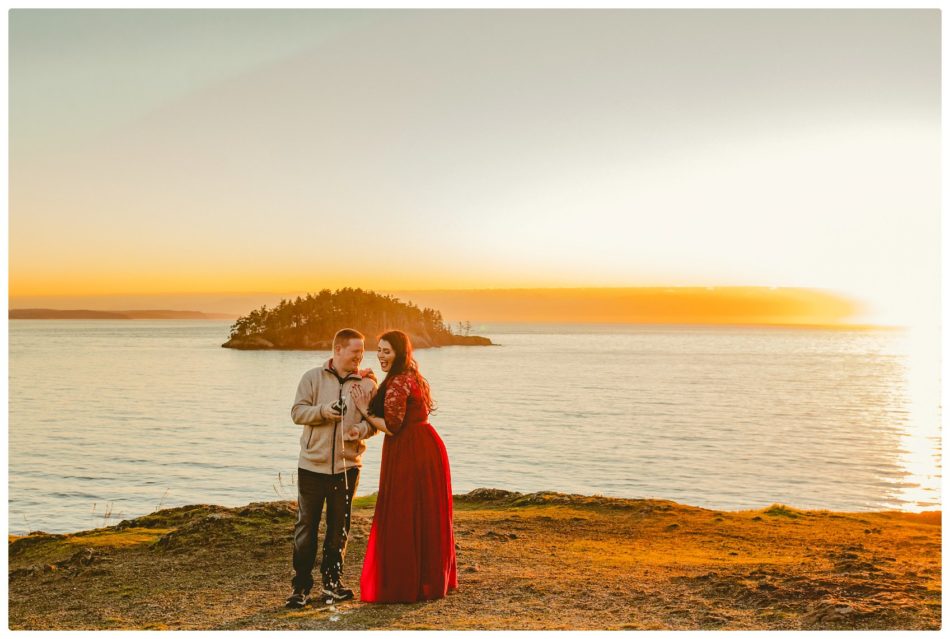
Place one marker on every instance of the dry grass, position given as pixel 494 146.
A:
pixel 540 561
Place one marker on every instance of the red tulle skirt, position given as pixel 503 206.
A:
pixel 410 555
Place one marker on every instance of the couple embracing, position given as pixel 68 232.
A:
pixel 410 555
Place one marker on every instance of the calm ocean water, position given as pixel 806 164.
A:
pixel 113 419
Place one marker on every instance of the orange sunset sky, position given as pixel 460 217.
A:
pixel 771 166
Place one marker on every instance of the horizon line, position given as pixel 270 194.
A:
pixel 799 325
pixel 434 290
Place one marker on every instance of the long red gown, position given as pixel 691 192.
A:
pixel 410 555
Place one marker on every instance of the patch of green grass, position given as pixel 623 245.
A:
pixel 367 501
pixel 255 530
pixel 779 510
pixel 117 538
pixel 173 517
pixel 40 550
pixel 480 505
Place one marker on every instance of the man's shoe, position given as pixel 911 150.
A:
pixel 336 593
pixel 299 599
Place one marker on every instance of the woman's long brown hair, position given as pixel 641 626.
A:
pixel 403 362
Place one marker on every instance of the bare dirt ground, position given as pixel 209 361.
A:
pixel 537 561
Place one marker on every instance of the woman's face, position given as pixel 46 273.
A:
pixel 386 355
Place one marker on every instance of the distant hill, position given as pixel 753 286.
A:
pixel 309 323
pixel 49 313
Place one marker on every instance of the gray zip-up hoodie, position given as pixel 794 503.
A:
pixel 322 447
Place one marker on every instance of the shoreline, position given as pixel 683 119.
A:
pixel 518 498
pixel 538 561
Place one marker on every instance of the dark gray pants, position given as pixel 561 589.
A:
pixel 313 489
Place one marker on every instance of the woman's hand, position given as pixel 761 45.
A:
pixel 360 398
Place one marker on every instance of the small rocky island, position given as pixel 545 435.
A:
pixel 309 323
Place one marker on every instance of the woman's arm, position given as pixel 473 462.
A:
pixel 395 405
pixel 378 423
pixel 361 399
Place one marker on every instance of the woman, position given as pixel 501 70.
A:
pixel 410 555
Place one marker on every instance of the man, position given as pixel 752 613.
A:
pixel 331 449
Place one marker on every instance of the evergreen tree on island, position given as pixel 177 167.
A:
pixel 308 323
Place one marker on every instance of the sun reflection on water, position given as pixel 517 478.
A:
pixel 920 439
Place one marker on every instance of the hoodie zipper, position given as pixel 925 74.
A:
pixel 336 424
pixel 333 454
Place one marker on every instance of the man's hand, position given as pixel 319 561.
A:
pixel 329 412
pixel 352 434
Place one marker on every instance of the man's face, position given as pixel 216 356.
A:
pixel 348 357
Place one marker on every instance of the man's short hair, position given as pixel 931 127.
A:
pixel 344 335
